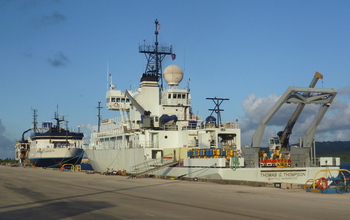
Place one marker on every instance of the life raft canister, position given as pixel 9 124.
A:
pixel 322 183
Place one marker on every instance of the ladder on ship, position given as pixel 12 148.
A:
pixel 144 173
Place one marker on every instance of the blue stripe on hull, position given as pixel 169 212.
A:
pixel 54 162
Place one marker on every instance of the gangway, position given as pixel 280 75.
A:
pixel 151 166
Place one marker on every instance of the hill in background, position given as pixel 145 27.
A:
pixel 334 149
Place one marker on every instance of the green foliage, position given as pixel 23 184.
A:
pixel 334 149
pixel 7 160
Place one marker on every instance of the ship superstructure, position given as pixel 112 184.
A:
pixel 155 121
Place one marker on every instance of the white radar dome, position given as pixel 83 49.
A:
pixel 173 75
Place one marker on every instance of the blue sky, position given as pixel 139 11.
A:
pixel 56 52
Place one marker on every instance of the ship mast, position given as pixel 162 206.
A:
pixel 35 122
pixel 154 55
pixel 58 120
pixel 217 110
pixel 99 116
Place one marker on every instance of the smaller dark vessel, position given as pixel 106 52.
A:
pixel 51 145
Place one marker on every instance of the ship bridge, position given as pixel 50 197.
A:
pixel 176 97
pixel 116 100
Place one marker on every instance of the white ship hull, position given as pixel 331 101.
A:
pixel 55 151
pixel 132 160
pixel 53 157
pixel 270 175
pixel 123 159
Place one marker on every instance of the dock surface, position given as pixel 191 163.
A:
pixel 28 193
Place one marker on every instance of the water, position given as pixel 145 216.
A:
pixel 85 166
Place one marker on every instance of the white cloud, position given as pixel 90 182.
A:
pixel 345 91
pixel 336 123
pixel 6 145
pixel 87 129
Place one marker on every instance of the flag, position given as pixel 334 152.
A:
pixel 173 56
pixel 158 27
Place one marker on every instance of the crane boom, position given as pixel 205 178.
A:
pixel 285 134
pixel 136 104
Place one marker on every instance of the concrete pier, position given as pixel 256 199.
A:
pixel 28 193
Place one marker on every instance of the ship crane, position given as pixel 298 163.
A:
pixel 140 109
pixel 24 134
pixel 300 96
pixel 285 134
pixel 136 104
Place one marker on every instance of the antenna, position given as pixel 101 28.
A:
pixel 188 84
pixel 184 59
pixel 156 52
pixel 35 115
pixel 108 77
pixel 58 120
pixel 65 121
pixel 99 116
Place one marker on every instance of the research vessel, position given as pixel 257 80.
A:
pixel 51 145
pixel 157 132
